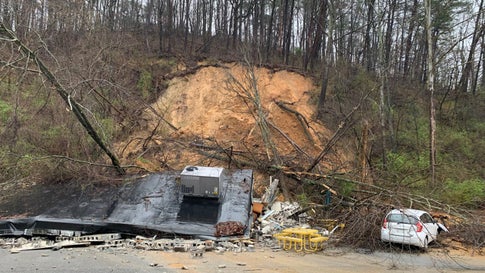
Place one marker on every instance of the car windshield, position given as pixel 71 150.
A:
pixel 402 218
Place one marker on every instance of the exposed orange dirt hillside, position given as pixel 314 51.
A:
pixel 211 112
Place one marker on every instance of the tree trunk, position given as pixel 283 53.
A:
pixel 363 155
pixel 235 24
pixel 262 14
pixel 111 14
pixel 325 63
pixel 170 20
pixel 270 31
pixel 186 23
pixel 367 55
pixel 389 31
pixel 161 34
pixel 477 74
pixel 409 38
pixel 430 87
pixel 350 42
pixel 383 110
pixel 477 34
pixel 287 29
pixel 319 32
pixel 482 83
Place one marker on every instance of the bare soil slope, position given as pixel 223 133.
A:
pixel 211 111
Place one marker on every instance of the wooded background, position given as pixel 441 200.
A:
pixel 102 52
pixel 384 36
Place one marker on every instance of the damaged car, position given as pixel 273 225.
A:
pixel 410 227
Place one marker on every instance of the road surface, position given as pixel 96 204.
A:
pixel 90 259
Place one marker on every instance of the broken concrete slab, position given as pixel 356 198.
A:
pixel 39 244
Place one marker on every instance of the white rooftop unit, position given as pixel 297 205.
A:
pixel 201 181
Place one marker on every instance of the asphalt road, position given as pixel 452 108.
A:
pixel 90 259
pixel 81 260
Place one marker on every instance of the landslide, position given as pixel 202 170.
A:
pixel 206 118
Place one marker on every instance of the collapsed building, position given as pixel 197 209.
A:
pixel 199 202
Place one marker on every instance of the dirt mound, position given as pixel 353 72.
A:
pixel 213 115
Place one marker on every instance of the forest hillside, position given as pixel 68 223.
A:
pixel 380 103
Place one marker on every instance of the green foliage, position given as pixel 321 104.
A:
pixel 413 134
pixel 468 192
pixel 166 65
pixel 24 146
pixel 346 188
pixel 303 199
pixel 363 82
pixel 406 163
pixel 5 110
pixel 108 128
pixel 444 12
pixel 145 84
pixel 407 168
pixel 458 145
pixel 477 127
pixel 15 167
pixel 52 132
pixel 351 83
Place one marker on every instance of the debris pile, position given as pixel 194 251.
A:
pixel 288 223
pixel 115 241
pixel 282 215
pixel 273 216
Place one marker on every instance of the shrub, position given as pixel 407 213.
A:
pixel 145 84
pixel 470 193
pixel 407 169
pixel 5 110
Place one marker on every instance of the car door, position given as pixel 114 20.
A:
pixel 430 226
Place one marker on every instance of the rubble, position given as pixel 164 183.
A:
pixel 229 228
pixel 278 217
pixel 281 215
pixel 197 252
pixel 102 242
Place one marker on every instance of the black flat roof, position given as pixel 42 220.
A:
pixel 152 203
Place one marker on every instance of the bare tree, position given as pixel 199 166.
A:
pixel 430 89
pixel 269 40
pixel 327 51
pixel 482 82
pixel 477 34
pixel 368 35
pixel 409 38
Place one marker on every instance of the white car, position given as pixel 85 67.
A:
pixel 410 227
